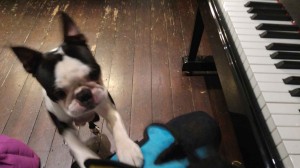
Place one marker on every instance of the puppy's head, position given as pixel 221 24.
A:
pixel 69 74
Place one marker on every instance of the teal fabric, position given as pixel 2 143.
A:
pixel 159 140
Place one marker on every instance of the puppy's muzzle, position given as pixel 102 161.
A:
pixel 85 98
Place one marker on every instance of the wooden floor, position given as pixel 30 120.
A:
pixel 139 45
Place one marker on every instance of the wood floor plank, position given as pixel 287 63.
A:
pixel 181 85
pixel 106 41
pixel 59 155
pixel 121 74
pixel 25 112
pixel 42 135
pixel 16 75
pixel 141 114
pixel 13 27
pixel 9 18
pixel 161 84
pixel 93 17
pixel 120 84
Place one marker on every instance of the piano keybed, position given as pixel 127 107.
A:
pixel 268 44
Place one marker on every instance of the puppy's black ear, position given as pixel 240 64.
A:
pixel 28 57
pixel 71 31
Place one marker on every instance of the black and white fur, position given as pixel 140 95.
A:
pixel 74 93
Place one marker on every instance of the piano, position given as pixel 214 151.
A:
pixel 256 53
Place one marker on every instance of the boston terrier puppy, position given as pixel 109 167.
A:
pixel 75 94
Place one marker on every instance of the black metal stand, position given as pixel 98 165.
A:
pixel 192 62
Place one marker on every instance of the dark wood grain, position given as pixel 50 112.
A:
pixel 180 84
pixel 141 113
pixel 161 84
pixel 121 74
pixel 42 135
pixel 139 45
pixel 14 73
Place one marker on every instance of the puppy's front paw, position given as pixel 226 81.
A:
pixel 130 153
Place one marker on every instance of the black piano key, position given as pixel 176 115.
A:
pixel 263 5
pixel 283 46
pixel 285 55
pixel 267 11
pixel 295 92
pixel 280 27
pixel 292 80
pixel 281 35
pixel 259 16
pixel 288 65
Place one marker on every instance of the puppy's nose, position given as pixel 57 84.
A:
pixel 85 95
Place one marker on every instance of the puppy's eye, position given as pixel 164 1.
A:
pixel 59 93
pixel 94 74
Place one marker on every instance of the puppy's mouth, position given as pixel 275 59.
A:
pixel 85 100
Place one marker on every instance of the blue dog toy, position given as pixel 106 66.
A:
pixel 191 140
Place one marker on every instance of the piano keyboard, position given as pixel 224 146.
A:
pixel 269 48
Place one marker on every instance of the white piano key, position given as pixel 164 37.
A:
pixel 241 14
pixel 287 162
pixel 258 52
pixel 258 45
pixel 235 19
pixel 244 25
pixel 254 45
pixel 251 25
pixel 273 87
pixel 268 69
pixel 270 97
pixel 281 109
pixel 276 137
pixel 256 38
pixel 262 60
pixel 286 120
pixel 271 124
pixel 272 70
pixel 292 147
pixel 282 150
pixel 289 133
pixel 275 121
pixel 247 31
pixel 235 6
pixel 262 77
pixel 286 134
pixel 295 161
pixel 252 32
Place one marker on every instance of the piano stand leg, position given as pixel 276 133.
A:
pixel 192 62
